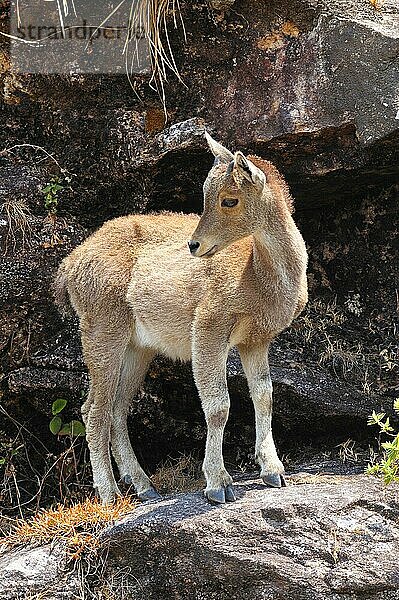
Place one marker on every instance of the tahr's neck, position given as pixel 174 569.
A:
pixel 278 249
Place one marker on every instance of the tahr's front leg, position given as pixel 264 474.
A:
pixel 256 366
pixel 209 355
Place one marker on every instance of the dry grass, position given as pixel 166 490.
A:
pixel 342 359
pixel 151 16
pixel 329 336
pixel 148 16
pixel 77 526
pixel 351 452
pixel 323 324
pixel 303 478
pixel 179 475
pixel 319 317
pixel 17 214
pixel 347 451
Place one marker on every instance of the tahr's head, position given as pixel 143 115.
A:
pixel 235 193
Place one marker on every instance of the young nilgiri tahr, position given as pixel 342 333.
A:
pixel 139 291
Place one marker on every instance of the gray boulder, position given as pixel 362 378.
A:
pixel 37 573
pixel 336 537
pixel 323 536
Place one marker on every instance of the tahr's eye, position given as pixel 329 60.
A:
pixel 229 202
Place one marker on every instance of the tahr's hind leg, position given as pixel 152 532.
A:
pixel 135 365
pixel 103 349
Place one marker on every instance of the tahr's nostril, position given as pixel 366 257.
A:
pixel 193 246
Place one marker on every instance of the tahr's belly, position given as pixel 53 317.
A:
pixel 163 295
pixel 163 339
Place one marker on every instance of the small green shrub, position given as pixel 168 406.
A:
pixel 57 427
pixel 50 192
pixel 388 467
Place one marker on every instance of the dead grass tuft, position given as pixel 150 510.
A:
pixel 319 318
pixel 341 358
pixel 77 525
pixel 313 478
pixel 17 215
pixel 179 475
pixel 151 16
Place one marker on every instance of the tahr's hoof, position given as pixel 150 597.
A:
pixel 229 494
pixel 221 495
pixel 150 494
pixel 274 480
pixel 216 496
pixel 127 479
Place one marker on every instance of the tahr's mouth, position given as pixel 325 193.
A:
pixel 210 252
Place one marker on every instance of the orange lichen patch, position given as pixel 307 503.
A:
pixel 377 4
pixel 5 63
pixel 154 120
pixel 276 39
pixel 77 525
pixel 290 29
pixel 271 42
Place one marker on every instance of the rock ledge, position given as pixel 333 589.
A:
pixel 324 536
pixel 336 537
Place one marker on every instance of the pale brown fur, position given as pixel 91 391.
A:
pixel 138 292
pixel 275 180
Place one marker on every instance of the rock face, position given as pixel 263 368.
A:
pixel 316 96
pixel 336 537
pixel 313 87
pixel 324 536
pixel 38 571
pixel 310 85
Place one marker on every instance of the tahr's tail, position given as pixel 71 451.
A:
pixel 61 294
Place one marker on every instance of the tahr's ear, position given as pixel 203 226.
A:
pixel 247 169
pixel 220 152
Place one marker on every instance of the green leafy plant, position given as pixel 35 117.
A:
pixel 50 192
pixel 388 467
pixel 57 427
